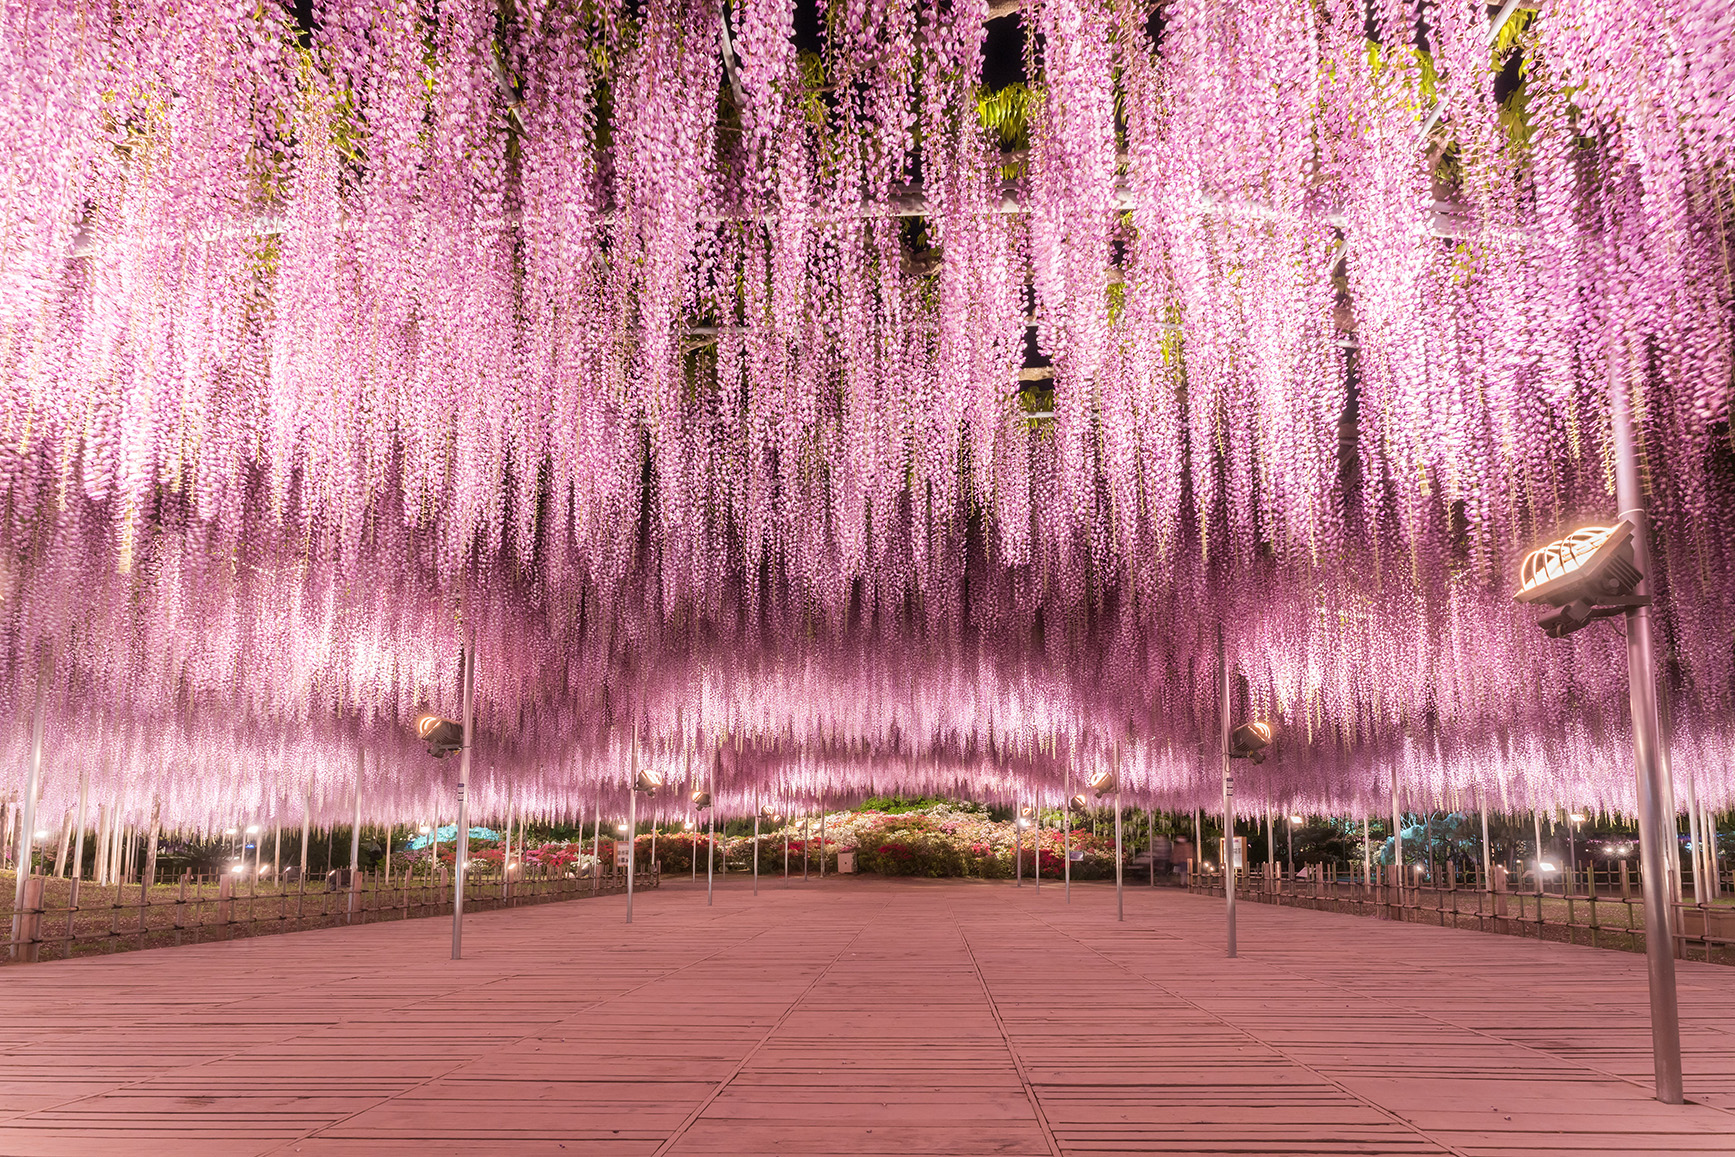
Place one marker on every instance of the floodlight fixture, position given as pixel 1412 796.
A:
pixel 1250 740
pixel 230 831
pixel 1028 811
pixel 1588 575
pixel 621 829
pixel 648 782
pixel 252 829
pixel 701 799
pixel 1296 820
pixel 1078 802
pixel 443 736
pixel 1545 866
pixel 777 819
pixel 768 812
pixel 238 869
pixel 1103 781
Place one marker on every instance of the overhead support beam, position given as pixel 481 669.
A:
pixel 1495 26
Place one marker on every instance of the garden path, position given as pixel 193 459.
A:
pixel 860 1016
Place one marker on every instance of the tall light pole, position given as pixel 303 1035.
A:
pixel 1228 795
pixel 1599 572
pixel 462 851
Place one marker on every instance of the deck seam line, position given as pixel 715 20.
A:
pixel 1276 1049
pixel 1011 1050
pixel 782 1018
pixel 1422 967
pixel 591 1007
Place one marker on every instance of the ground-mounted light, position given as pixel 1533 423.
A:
pixel 701 798
pixel 1103 781
pixel 1588 575
pixel 1250 740
pixel 443 736
pixel 648 781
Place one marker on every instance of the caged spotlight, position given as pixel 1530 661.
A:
pixel 701 798
pixel 648 782
pixel 1249 741
pixel 1588 575
pixel 443 736
pixel 1104 781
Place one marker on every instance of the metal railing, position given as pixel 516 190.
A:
pixel 64 918
pixel 1603 908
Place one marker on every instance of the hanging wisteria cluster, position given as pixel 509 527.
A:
pixel 754 385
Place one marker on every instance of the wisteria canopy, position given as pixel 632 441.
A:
pixel 763 381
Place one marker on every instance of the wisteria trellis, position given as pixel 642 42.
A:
pixel 691 389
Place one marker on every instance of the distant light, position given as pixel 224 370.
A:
pixel 42 835
pixel 1577 818
pixel 1296 820
pixel 621 828
pixel 688 825
pixel 230 831
pixel 425 829
pixel 237 869
pixel 1547 867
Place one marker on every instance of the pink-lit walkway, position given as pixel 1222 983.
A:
pixel 860 1016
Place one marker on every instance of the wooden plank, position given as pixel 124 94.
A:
pixel 861 1016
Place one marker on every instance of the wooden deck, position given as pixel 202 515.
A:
pixel 859 1016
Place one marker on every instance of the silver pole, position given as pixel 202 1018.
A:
pixel 306 826
pixel 354 834
pixel 632 819
pixel 1120 909
pixel 462 851
pixel 83 800
pixel 1536 818
pixel 756 811
pixel 1696 836
pixel 710 849
pixel 1487 852
pixel 1036 841
pixel 822 838
pixel 1228 794
pixel 27 810
pixel 1066 842
pixel 1397 838
pixel 1647 756
pixel 1151 821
